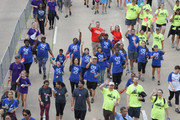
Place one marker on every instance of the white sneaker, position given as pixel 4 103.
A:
pixel 177 48
pixel 172 46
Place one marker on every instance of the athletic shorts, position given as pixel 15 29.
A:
pixel 80 114
pixel 130 22
pixel 174 32
pixel 97 1
pixel 156 66
pixel 134 112
pixel 91 85
pixel 67 3
pixel 132 54
pixel 144 28
pixel 14 86
pixel 158 25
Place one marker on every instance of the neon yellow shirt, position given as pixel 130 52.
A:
pixel 110 97
pixel 176 7
pixel 157 40
pixel 132 11
pixel 142 37
pixel 161 17
pixel 158 110
pixel 141 16
pixel 133 93
pixel 149 17
pixel 176 21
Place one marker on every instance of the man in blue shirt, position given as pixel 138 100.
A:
pixel 121 116
pixel 117 70
pixel 132 50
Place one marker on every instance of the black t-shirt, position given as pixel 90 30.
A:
pixel 80 98
pixel 60 95
pixel 45 99
pixel 41 14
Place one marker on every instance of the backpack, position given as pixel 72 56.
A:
pixel 156 100
pixel 15 63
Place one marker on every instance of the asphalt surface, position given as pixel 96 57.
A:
pixel 67 30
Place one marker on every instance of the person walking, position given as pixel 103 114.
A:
pixel 174 87
pixel 110 96
pixel 96 6
pixel 14 71
pixel 177 6
pixel 142 35
pixel 134 99
pixel 160 105
pixel 42 55
pixel 117 36
pixel 68 4
pixel 34 5
pixel 45 92
pixel 156 56
pixel 78 105
pixel 91 76
pixel 160 2
pixel 104 6
pixel 60 93
pixel 27 115
pixel 121 116
pixel 24 83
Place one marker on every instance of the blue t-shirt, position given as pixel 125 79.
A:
pixel 58 73
pixel 61 58
pixel 85 60
pixel 26 53
pixel 75 50
pixel 117 61
pixel 52 5
pixel 129 82
pixel 106 46
pixel 6 102
pixel 128 1
pixel 29 119
pixel 91 72
pixel 123 53
pixel 43 49
pixel 142 53
pixel 131 44
pixel 75 70
pixel 156 61
pixel 101 63
pixel 120 117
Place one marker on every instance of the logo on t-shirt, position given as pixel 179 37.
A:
pixel 42 47
pixel 106 45
pixel 87 59
pixel 100 57
pixel 75 48
pixel 76 69
pixel 25 51
pixel 111 97
pixel 93 69
pixel 143 51
pixel 58 71
pixel 117 59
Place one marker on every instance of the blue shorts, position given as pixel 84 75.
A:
pixel 103 1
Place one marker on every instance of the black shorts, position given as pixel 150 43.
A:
pixel 130 22
pixel 134 112
pixel 14 86
pixel 158 25
pixel 156 66
pixel 144 28
pixel 174 31
pixel 91 85
pixel 80 114
pixel 117 77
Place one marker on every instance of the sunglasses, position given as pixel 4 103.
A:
pixel 25 115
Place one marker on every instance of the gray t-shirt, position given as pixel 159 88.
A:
pixel 80 98
pixel 45 99
pixel 60 95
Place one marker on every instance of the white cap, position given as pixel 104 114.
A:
pixel 111 83
pixel 94 57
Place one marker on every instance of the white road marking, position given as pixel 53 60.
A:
pixel 55 35
pixel 121 33
pixel 144 115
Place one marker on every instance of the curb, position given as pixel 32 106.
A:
pixel 171 3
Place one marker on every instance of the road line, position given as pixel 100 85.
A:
pixel 121 33
pixel 55 35
pixel 144 115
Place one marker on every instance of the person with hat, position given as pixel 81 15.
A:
pixel 111 96
pixel 42 55
pixel 158 38
pixel 26 54
pixel 91 75
pixel 175 28
pixel 14 71
pixel 177 6
pixel 121 116
pixel 156 56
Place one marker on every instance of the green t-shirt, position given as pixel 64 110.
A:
pixel 161 17
pixel 149 17
pixel 157 40
pixel 176 7
pixel 142 37
pixel 133 93
pixel 158 110
pixel 176 21
pixel 110 97
pixel 132 11
pixel 141 16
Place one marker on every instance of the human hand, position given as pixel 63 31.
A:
pixel 89 109
pixel 72 108
pixel 92 21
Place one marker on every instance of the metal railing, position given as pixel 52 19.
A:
pixel 11 48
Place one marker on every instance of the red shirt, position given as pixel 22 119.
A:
pixel 95 33
pixel 116 35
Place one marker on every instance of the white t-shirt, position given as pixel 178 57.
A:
pixel 175 80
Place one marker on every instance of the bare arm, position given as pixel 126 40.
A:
pixel 72 103
pixel 17 81
pixel 9 75
pixel 127 101
pixel 80 36
pixel 35 44
pixel 99 37
pixel 82 44
pixel 170 83
pixel 50 52
pixel 65 61
pixel 151 28
pixel 126 34
pixel 162 42
pixel 167 113
pixel 172 18
pixel 111 28
pixel 135 43
pixel 88 102
pixel 157 12
pixel 71 62
pixel 87 66
pixel 56 9
pixel 53 64
pixel 114 111
pixel 147 28
pixel 54 94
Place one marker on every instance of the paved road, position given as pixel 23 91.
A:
pixel 10 10
pixel 67 30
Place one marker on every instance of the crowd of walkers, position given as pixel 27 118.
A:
pixel 108 56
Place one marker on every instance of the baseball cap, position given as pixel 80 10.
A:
pixel 94 57
pixel 111 83
pixel 157 28
pixel 43 36
pixel 155 46
pixel 17 57
pixel 147 8
pixel 178 9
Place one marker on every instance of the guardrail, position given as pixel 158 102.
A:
pixel 11 49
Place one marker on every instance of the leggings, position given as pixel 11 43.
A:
pixel 141 66
pixel 60 4
pixel 93 2
pixel 46 109
pixel 83 71
pixel 101 77
pixel 59 108
pixel 27 67
pixel 51 17
pixel 73 85
pixel 177 93
pixel 42 63
pixel 117 78
pixel 41 26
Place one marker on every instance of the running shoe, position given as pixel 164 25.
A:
pixel 87 6
pixel 172 46
pixel 109 6
pixel 66 16
pixel 95 12
pixel 40 72
pixel 90 93
pixel 159 83
pixel 153 78
pixel 102 13
pixel 177 48
pixel 44 77
pixel 70 13
pixel 50 28
pixel 105 11
pixel 169 104
pixel 147 42
pixel 92 8
pixel 131 70
pixel 142 79
pixel 92 100
pixel 177 110
pixel 84 3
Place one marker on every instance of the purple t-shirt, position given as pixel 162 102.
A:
pixel 25 81
pixel 52 5
pixel 16 70
pixel 35 3
pixel 32 34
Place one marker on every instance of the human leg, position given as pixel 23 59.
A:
pixel 47 107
